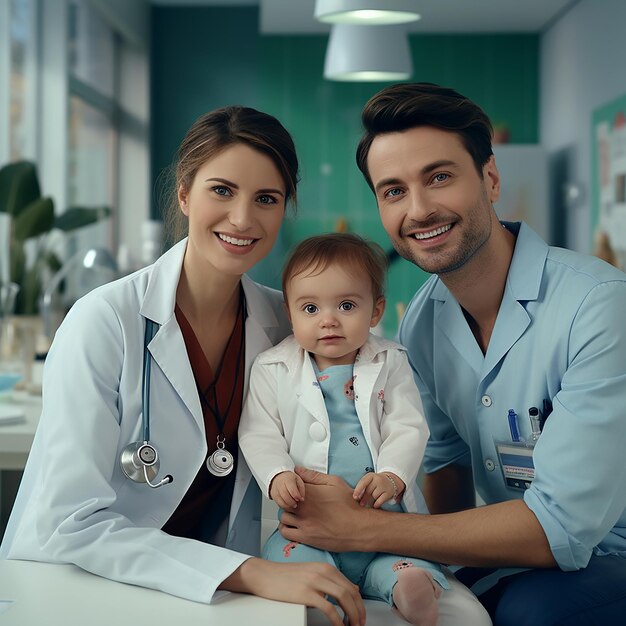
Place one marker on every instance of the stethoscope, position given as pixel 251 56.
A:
pixel 139 460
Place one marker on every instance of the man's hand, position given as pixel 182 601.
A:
pixel 376 489
pixel 287 489
pixel 507 534
pixel 330 519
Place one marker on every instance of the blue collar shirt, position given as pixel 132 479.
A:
pixel 560 335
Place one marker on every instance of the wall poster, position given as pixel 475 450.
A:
pixel 523 186
pixel 608 177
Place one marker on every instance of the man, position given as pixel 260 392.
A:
pixel 519 351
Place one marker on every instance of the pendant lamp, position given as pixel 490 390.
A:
pixel 366 11
pixel 367 53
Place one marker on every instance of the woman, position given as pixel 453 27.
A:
pixel 236 171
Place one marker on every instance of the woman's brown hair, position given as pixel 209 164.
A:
pixel 214 132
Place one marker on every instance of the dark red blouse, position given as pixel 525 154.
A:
pixel 207 502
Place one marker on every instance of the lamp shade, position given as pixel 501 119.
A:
pixel 367 53
pixel 366 11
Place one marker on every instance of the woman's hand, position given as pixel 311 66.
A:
pixel 301 583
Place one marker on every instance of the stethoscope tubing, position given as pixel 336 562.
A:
pixel 137 457
pixel 151 328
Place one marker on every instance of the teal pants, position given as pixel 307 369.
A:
pixel 374 573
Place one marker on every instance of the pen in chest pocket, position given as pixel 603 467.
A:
pixel 547 409
pixel 513 428
pixel 534 415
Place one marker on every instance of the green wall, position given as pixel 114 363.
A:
pixel 209 57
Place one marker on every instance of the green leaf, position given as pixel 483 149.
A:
pixel 53 262
pixel 19 186
pixel 77 217
pixel 18 262
pixel 27 300
pixel 37 218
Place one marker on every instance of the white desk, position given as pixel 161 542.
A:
pixel 16 439
pixel 15 444
pixel 64 595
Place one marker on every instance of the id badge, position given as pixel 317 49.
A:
pixel 516 463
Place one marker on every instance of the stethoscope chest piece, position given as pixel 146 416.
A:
pixel 221 462
pixel 139 462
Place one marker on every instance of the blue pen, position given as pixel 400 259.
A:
pixel 513 426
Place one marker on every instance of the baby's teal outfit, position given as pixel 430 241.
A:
pixel 349 457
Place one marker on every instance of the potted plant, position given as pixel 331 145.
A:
pixel 30 223
pixel 32 220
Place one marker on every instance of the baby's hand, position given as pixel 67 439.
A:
pixel 376 489
pixel 287 489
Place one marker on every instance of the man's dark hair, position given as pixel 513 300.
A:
pixel 408 105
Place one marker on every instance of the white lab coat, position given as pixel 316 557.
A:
pixel 285 423
pixel 75 505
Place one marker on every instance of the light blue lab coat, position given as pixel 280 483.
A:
pixel 560 335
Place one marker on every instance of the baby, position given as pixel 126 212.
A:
pixel 335 398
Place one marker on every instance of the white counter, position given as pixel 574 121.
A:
pixel 16 439
pixel 64 595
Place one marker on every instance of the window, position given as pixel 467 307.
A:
pixel 92 128
pixel 92 139
pixel 91 48
pixel 22 93
pixel 74 98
